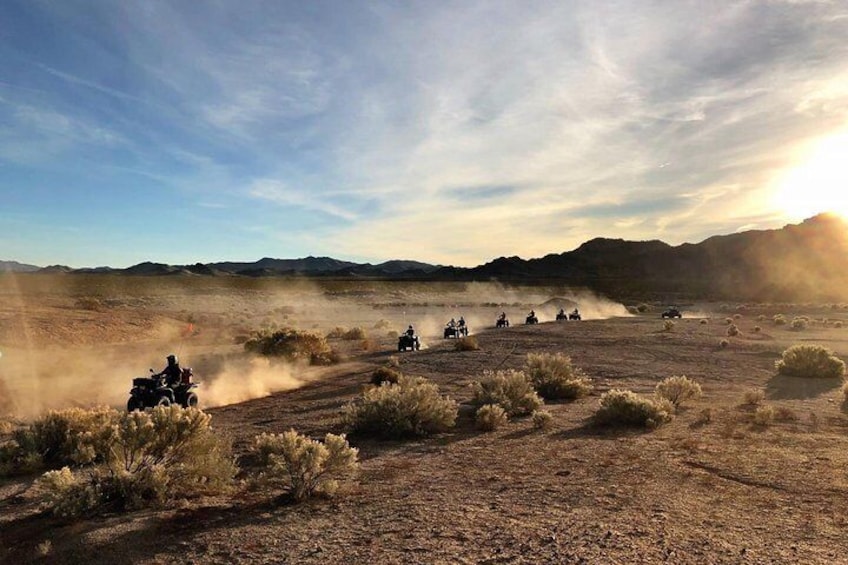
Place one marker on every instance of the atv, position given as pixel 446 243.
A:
pixel 151 391
pixel 574 315
pixel 502 323
pixel 456 332
pixel 561 316
pixel 531 320
pixel 672 312
pixel 406 341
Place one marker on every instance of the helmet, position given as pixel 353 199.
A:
pixel 172 359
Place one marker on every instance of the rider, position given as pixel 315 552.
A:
pixel 172 372
pixel 561 312
pixel 576 312
pixel 503 316
pixel 452 323
pixel 532 313
pixel 461 322
pixel 410 331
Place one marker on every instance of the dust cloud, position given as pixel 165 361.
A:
pixel 255 377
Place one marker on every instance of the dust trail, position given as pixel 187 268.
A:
pixel 239 381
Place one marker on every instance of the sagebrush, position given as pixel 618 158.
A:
pixel 491 417
pixel 811 361
pixel 293 345
pixel 305 466
pixel 626 408
pixel 678 390
pixel 509 389
pixel 554 377
pixel 411 407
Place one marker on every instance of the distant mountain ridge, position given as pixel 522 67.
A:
pixel 803 261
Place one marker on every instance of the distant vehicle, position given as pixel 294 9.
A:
pixel 561 315
pixel 148 392
pixel 672 312
pixel 531 319
pixel 502 323
pixel 406 341
pixel 455 332
pixel 575 315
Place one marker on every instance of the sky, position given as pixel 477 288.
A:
pixel 440 131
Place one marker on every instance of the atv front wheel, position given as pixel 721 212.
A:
pixel 163 401
pixel 190 400
pixel 134 404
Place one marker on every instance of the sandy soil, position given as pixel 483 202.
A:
pixel 709 487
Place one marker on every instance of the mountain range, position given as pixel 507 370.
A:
pixel 806 261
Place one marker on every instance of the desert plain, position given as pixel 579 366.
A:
pixel 714 485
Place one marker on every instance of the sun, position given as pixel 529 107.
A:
pixel 819 183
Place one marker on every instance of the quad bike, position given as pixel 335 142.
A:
pixel 406 341
pixel 672 313
pixel 502 323
pixel 151 391
pixel 456 332
pixel 574 315
pixel 561 316
pixel 531 320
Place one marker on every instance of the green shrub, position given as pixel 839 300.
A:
pixel 626 408
pixel 542 419
pixel 678 390
pixel 491 417
pixel 468 343
pixel 305 466
pixel 509 389
pixel 554 377
pixel 812 361
pixel 732 330
pixel 412 407
pixel 293 345
pixel 385 375
pixel 153 457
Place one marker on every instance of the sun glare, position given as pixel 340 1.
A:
pixel 819 183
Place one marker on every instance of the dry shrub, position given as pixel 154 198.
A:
pixel 799 323
pixel 753 397
pixel 293 345
pixel 779 320
pixel 642 308
pixel 678 390
pixel 336 333
pixel 668 325
pixel 810 361
pixel 468 343
pixel 369 344
pixel 73 436
pixel 761 318
pixel 837 324
pixel 554 377
pixel 153 457
pixel 491 417
pixel 763 415
pixel 737 316
pixel 757 329
pixel 728 321
pixel 723 343
pixel 355 333
pixel 785 414
pixel 704 322
pixel 732 330
pixel 305 466
pixel 393 361
pixel 385 375
pixel 626 408
pixel 542 419
pixel 509 389
pixel 705 416
pixel 392 334
pixel 412 407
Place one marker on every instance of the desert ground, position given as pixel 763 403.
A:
pixel 711 486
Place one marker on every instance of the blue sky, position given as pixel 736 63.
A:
pixel 447 132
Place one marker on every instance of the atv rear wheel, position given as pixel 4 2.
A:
pixel 163 401
pixel 134 404
pixel 190 400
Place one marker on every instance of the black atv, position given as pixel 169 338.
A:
pixel 502 323
pixel 672 312
pixel 456 332
pixel 531 320
pixel 151 391
pixel 406 341
pixel 574 315
pixel 561 316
